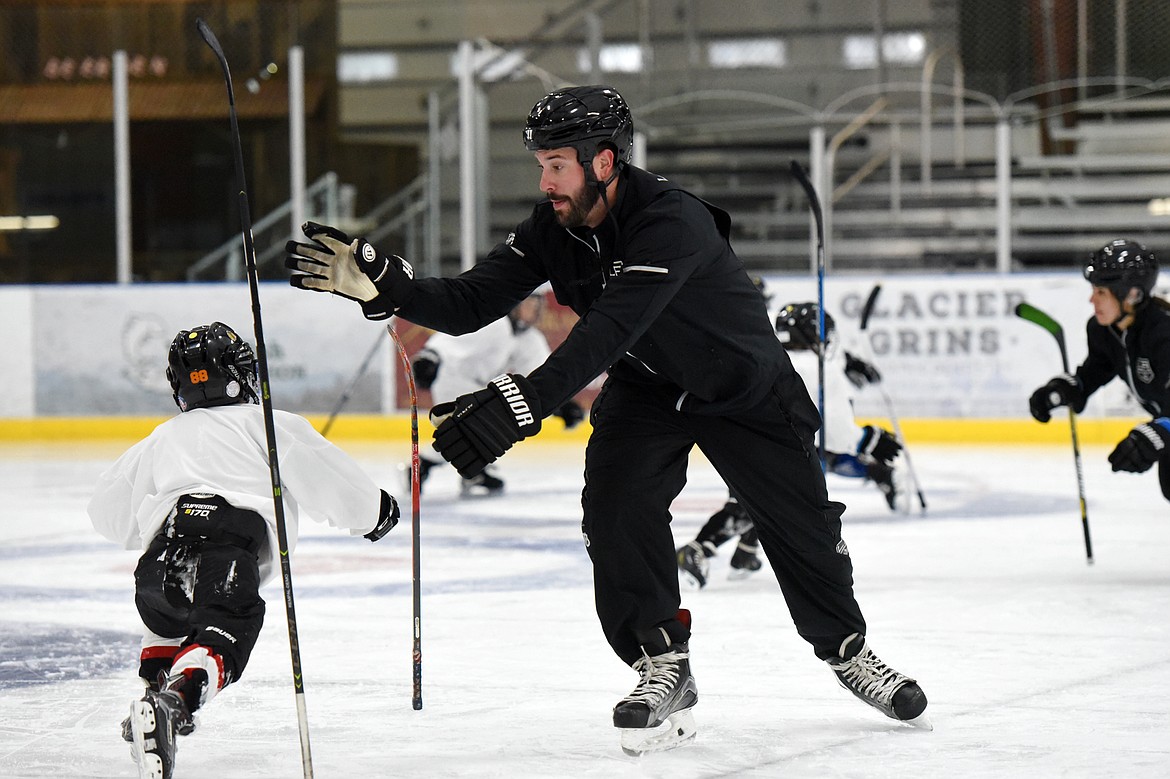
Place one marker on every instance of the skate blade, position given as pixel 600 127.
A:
pixel 142 726
pixel 689 581
pixel 922 722
pixel 678 730
pixel 739 574
pixel 478 493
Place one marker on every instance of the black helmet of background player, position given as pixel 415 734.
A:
pixel 211 366
pixel 584 118
pixel 796 326
pixel 1121 266
pixel 759 283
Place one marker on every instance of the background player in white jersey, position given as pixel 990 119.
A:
pixel 454 365
pixel 851 450
pixel 196 496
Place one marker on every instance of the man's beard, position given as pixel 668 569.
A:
pixel 579 207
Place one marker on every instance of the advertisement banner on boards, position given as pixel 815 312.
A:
pixel 947 346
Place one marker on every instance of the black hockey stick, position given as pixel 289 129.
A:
pixel 415 546
pixel 361 371
pixel 1036 316
pixel 814 204
pixel 866 312
pixel 266 404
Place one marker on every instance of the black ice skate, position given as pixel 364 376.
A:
pixel 693 564
pixel 156 721
pixel 481 485
pixel 861 672
pixel 745 561
pixel 664 696
pixel 883 476
pixel 424 470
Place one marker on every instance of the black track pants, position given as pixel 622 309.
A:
pixel 635 465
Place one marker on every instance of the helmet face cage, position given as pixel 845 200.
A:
pixel 583 118
pixel 796 326
pixel 1122 265
pixel 211 366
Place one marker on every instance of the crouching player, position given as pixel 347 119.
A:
pixel 196 496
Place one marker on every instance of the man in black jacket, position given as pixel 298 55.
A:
pixel 666 307
pixel 1129 337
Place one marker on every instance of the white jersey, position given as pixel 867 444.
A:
pixel 468 362
pixel 223 450
pixel 841 431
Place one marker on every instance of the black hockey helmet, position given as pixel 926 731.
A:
pixel 1122 265
pixel 759 283
pixel 211 365
pixel 583 118
pixel 796 326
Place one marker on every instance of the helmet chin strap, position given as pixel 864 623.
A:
pixel 1134 299
pixel 602 187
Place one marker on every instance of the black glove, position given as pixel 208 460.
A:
pixel 878 444
pixel 1063 390
pixel 572 414
pixel 1143 447
pixel 426 368
pixel 475 429
pixel 387 518
pixel 352 268
pixel 860 372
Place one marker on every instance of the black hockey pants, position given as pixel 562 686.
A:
pixel 199 579
pixel 635 465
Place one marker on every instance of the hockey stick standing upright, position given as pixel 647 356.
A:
pixel 1036 316
pixel 814 204
pixel 866 311
pixel 361 371
pixel 415 546
pixel 266 404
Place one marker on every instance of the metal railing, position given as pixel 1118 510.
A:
pixel 407 215
pixel 325 201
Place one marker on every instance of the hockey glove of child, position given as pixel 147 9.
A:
pixel 474 430
pixel 860 372
pixel 878 444
pixel 571 413
pixel 1063 390
pixel 1143 447
pixel 426 368
pixel 352 268
pixel 387 517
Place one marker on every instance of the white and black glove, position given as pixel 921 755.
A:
pixel 387 517
pixel 352 268
pixel 571 413
pixel 878 444
pixel 474 430
pixel 859 372
pixel 1062 390
pixel 1143 447
pixel 426 368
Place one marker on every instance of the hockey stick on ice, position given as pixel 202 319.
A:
pixel 266 404
pixel 1036 316
pixel 814 204
pixel 361 371
pixel 416 653
pixel 865 314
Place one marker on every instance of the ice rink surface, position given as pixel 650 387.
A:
pixel 1035 663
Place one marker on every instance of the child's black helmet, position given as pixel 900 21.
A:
pixel 796 326
pixel 1122 265
pixel 583 118
pixel 211 366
